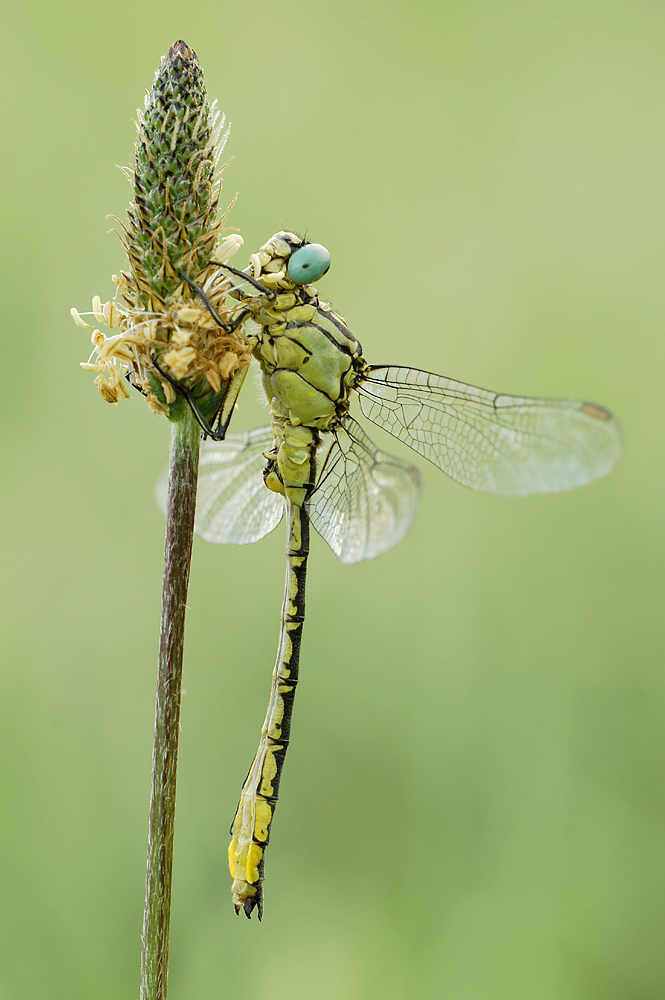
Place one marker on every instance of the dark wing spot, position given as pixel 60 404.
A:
pixel 596 411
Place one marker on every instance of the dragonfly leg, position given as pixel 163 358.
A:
pixel 216 435
pixel 227 327
pixel 269 293
pixel 237 320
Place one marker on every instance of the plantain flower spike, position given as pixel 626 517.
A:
pixel 164 333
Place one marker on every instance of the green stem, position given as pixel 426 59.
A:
pixel 183 472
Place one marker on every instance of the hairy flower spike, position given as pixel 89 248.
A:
pixel 172 221
pixel 173 229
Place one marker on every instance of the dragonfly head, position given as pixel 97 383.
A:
pixel 304 262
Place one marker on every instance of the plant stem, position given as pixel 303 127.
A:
pixel 183 472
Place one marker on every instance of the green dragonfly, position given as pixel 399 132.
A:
pixel 315 464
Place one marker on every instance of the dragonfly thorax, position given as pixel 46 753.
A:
pixel 308 369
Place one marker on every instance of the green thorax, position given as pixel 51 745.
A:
pixel 310 360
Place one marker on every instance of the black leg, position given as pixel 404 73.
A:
pixel 207 429
pixel 247 277
pixel 209 306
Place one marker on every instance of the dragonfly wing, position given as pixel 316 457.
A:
pixel 364 500
pixel 492 442
pixel 233 505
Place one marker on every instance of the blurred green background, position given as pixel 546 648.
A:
pixel 473 804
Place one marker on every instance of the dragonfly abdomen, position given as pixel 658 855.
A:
pixel 250 830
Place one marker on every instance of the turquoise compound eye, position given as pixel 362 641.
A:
pixel 309 263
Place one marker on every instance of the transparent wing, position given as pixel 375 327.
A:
pixel 492 442
pixel 233 505
pixel 364 500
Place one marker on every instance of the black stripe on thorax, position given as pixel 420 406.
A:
pixel 341 347
pixel 337 322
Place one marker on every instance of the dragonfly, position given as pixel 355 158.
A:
pixel 315 465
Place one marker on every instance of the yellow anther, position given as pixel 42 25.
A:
pixel 188 314
pixel 179 360
pixel 228 364
pixel 228 247
pixel 121 352
pixel 115 389
pixel 111 313
pixel 105 390
pixel 213 379
pixel 169 392
pixel 97 308
pixel 76 316
pixel 180 338
pixel 114 346
pixel 120 385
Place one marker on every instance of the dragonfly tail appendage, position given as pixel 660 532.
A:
pixel 250 830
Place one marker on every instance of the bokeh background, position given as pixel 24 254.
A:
pixel 473 804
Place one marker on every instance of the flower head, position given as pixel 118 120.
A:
pixel 172 312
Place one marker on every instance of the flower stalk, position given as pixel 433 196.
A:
pixel 180 512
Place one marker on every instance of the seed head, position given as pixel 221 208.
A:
pixel 173 230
